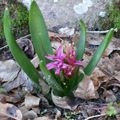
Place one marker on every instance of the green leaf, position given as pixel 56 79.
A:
pixel 51 80
pixel 18 54
pixel 79 78
pixel 73 80
pixel 111 111
pixel 2 89
pixel 98 54
pixel 39 33
pixel 80 49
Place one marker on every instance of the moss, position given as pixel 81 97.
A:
pixel 19 15
pixel 112 19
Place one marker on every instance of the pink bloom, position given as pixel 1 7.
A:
pixel 71 56
pixel 58 59
pixel 71 61
pixel 63 61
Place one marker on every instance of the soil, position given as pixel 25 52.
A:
pixel 108 92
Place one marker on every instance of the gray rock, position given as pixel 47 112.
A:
pixel 102 14
pixel 67 13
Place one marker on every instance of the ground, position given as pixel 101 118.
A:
pixel 99 97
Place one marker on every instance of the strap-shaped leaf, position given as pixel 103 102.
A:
pixel 50 79
pixel 97 55
pixel 18 54
pixel 39 32
pixel 73 80
pixel 81 43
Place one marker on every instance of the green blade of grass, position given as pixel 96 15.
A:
pixel 18 54
pixel 97 55
pixel 81 43
pixel 39 33
pixel 51 80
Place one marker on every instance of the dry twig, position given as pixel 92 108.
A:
pixel 95 116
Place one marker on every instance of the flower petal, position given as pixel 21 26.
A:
pixel 50 57
pixel 59 53
pixel 51 65
pixel 57 72
pixel 78 63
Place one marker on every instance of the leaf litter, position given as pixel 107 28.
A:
pixel 101 88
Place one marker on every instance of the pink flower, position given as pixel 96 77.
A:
pixel 58 59
pixel 71 56
pixel 63 61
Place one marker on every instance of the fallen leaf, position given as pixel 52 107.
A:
pixel 55 44
pixel 117 75
pixel 8 98
pixel 10 111
pixel 30 115
pixel 116 61
pixel 113 82
pixel 8 70
pixel 43 118
pixel 86 89
pixel 27 46
pixel 113 46
pixel 35 61
pixel 21 80
pixel 94 41
pixel 109 96
pixel 32 101
pixel 45 87
pixel 107 66
pixel 62 102
pixel 98 77
pixel 13 76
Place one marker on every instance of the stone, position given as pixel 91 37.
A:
pixel 66 31
pixel 67 13
pixel 102 14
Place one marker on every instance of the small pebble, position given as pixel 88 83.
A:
pixel 102 14
pixel 115 89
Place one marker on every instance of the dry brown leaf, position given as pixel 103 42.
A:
pixel 55 44
pixel 86 89
pixel 27 46
pixel 44 86
pixel 107 66
pixel 35 61
pixel 116 61
pixel 117 75
pixel 113 46
pixel 86 58
pixel 10 111
pixel 118 116
pixel 94 41
pixel 31 101
pixel 113 83
pixel 43 118
pixel 23 109
pixel 29 115
pixel 62 102
pixel 20 80
pixel 109 96
pixel 9 98
pixel 8 70
pixel 98 77
pixel 13 76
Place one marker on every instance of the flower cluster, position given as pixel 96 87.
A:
pixel 64 61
